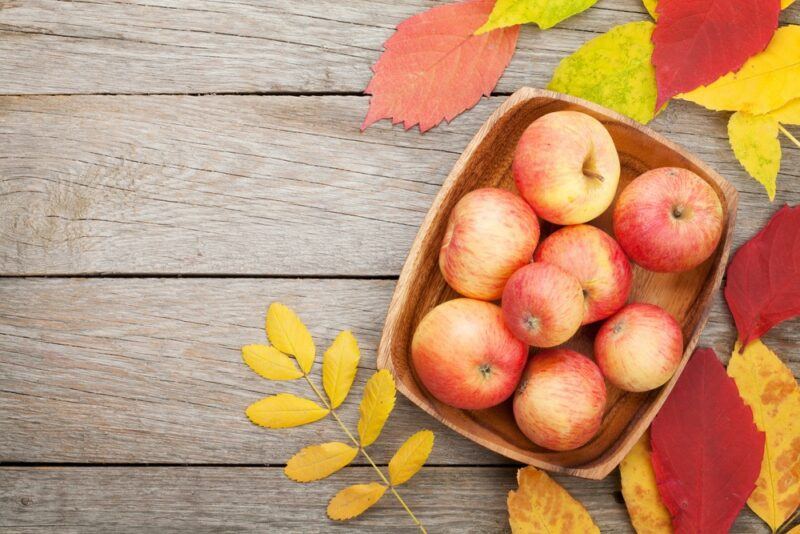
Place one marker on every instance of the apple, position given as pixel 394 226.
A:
pixel 566 167
pixel 490 234
pixel 560 400
pixel 465 356
pixel 543 304
pixel 639 348
pixel 597 261
pixel 668 220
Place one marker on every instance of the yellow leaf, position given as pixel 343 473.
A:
pixel 754 140
pixel 354 500
pixel 650 6
pixel 270 363
pixel 788 114
pixel 541 505
pixel 795 530
pixel 410 457
pixel 766 82
pixel 376 406
pixel 648 513
pixel 545 13
pixel 319 461
pixel 288 334
pixel 769 388
pixel 285 410
pixel 339 366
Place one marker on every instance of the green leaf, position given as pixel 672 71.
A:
pixel 545 13
pixel 754 139
pixel 613 70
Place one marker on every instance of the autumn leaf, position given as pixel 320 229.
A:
pixel 650 6
pixel 355 500
pixel 289 335
pixel 763 279
pixel 766 82
pixel 319 461
pixel 433 67
pixel 706 449
pixel 541 505
pixel 285 410
pixel 545 13
pixel 376 405
pixel 270 363
pixel 697 42
pixel 648 513
pixel 754 140
pixel 339 366
pixel 769 388
pixel 410 457
pixel 613 70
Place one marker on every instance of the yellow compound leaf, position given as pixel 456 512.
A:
pixel 541 505
pixel 354 500
pixel 410 457
pixel 288 334
pixel 765 82
pixel 270 363
pixel 648 513
pixel 545 13
pixel 319 461
pixel 769 388
pixel 285 410
pixel 754 140
pixel 339 366
pixel 376 406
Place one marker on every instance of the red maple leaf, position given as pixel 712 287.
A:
pixel 706 448
pixel 763 282
pixel 697 41
pixel 433 67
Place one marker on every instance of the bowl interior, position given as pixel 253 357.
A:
pixel 487 162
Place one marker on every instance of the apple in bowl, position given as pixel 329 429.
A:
pixel 567 167
pixel 465 356
pixel 490 234
pixel 597 261
pixel 560 401
pixel 668 220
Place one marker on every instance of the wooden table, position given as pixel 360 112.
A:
pixel 167 169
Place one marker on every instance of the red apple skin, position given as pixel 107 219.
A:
pixel 465 356
pixel 597 261
pixel 490 234
pixel 567 167
pixel 639 348
pixel 543 305
pixel 560 400
pixel 668 220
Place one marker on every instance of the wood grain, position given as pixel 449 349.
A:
pixel 240 499
pixel 254 185
pixel 148 370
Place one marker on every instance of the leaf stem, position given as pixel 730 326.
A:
pixel 365 453
pixel 785 132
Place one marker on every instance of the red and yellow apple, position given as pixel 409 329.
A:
pixel 490 234
pixel 566 166
pixel 668 220
pixel 639 348
pixel 597 261
pixel 465 356
pixel 543 304
pixel 560 401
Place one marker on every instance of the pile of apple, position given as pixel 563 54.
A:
pixel 472 354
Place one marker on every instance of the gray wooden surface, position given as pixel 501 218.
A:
pixel 169 168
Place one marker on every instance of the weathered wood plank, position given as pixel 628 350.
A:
pixel 197 499
pixel 257 185
pixel 149 370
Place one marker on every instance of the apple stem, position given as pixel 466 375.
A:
pixel 785 132
pixel 595 175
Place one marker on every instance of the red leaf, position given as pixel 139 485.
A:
pixel 706 448
pixel 434 68
pixel 763 283
pixel 697 41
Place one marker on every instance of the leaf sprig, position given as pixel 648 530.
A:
pixel 290 357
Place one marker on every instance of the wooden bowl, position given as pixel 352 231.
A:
pixel 487 162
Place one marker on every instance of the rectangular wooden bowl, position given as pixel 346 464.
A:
pixel 487 162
